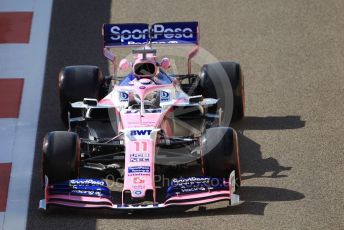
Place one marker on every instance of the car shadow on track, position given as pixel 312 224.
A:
pixel 270 123
pixel 252 162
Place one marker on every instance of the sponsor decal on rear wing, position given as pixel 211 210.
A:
pixel 136 34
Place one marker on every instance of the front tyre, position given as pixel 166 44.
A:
pixel 220 153
pixel 61 156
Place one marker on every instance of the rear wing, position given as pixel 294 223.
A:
pixel 138 34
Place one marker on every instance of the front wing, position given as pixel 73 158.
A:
pixel 91 193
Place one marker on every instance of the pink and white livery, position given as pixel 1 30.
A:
pixel 145 126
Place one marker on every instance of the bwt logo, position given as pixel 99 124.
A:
pixel 140 132
pixel 157 30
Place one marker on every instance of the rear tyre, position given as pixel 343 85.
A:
pixel 212 86
pixel 77 83
pixel 220 153
pixel 61 156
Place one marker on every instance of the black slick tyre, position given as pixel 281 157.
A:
pixel 221 153
pixel 61 156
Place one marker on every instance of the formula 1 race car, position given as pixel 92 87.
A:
pixel 138 126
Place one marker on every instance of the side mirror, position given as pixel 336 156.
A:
pixel 90 101
pixel 165 63
pixel 124 64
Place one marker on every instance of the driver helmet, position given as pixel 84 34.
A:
pixel 145 65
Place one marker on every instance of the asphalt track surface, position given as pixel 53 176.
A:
pixel 292 55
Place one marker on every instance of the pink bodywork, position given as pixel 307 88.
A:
pixel 139 147
pixel 144 146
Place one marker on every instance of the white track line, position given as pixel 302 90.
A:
pixel 17 5
pixel 2 216
pixel 7 137
pixel 24 144
pixel 15 59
